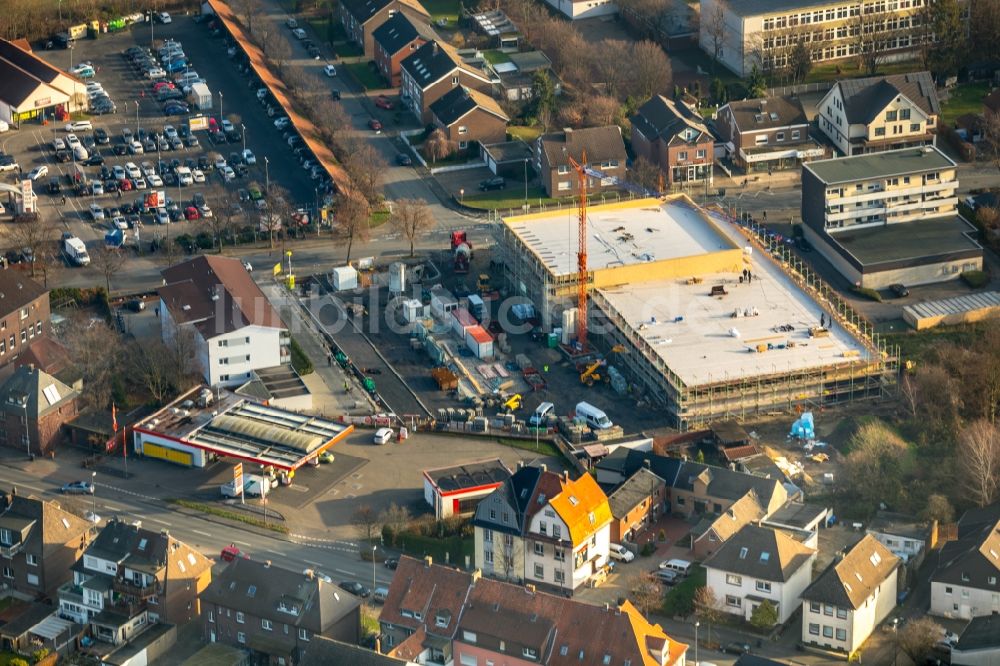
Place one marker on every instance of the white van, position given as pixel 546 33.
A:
pixel 80 153
pixel 680 566
pixel 541 414
pixel 595 417
pixel 620 553
pixel 380 594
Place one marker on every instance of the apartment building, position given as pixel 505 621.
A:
pixel 34 406
pixel 235 328
pixel 965 583
pixel 543 528
pixel 129 578
pixel 24 313
pixel 845 603
pixel 765 32
pixel 889 218
pixel 275 613
pixel 604 149
pixel 880 113
pixel 432 71
pixel 362 17
pixel 675 139
pixel 767 134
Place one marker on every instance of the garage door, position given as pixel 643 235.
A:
pixel 166 453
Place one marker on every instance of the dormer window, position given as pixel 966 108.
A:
pixel 743 553
pixel 469 637
pixel 765 557
pixel 442 619
pixel 530 653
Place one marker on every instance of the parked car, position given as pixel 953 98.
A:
pixel 38 172
pixel 382 436
pixel 403 160
pixel 736 647
pixel 383 102
pixel 899 291
pixel 621 553
pixel 335 93
pixel 330 70
pixel 375 124
pixel 78 488
pixel 497 183
pixel 232 552
pixel 391 562
pixel 77 125
pixel 357 589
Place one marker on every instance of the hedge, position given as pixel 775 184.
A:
pixel 975 279
pixel 300 362
pixel 870 294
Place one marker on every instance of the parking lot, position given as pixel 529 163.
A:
pixel 137 111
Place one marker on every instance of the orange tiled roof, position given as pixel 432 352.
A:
pixel 583 506
pixel 649 635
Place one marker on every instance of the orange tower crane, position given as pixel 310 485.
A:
pixel 581 255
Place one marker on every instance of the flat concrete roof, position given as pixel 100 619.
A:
pixel 701 350
pixel 879 165
pixel 659 230
pixel 908 240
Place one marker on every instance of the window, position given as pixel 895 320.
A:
pixel 539 572
pixel 763 586
pixel 814 629
pixel 468 660
pixel 562 170
pixel 303 635
pixel 488 556
pixel 733 579
pixel 24 336
pixel 32 560
pixel 879 131
pixel 779 136
pixel 38 328
pixel 530 653
pixel 827 632
pixel 239 617
pixel 700 154
pixel 265 624
pixel 914 127
pixel 890 115
pixel 841 634
pixel 539 548
pixel 462 129
pixel 557 531
pixel 904 114
pixel 560 576
pixel 734 602
pixel 8 572
pixel 842 613
pixel 454 80
pixel 562 186
pixel 761 139
pixel 469 637
pixel 488 536
pixel 241 637
pixel 828 610
pixel 559 554
pixel 32 579
pixel 543 527
pixel 814 606
pixel 796 134
pixel 682 155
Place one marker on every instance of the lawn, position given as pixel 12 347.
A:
pixel 696 58
pixel 544 448
pixel 378 218
pixel 322 28
pixel 916 346
pixel 365 75
pixel 448 10
pixel 679 602
pixel 966 98
pixel 496 57
pixel 524 133
pixel 849 69
pixel 419 546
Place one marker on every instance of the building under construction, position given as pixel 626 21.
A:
pixel 712 327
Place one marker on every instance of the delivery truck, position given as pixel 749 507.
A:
pixel 200 96
pixel 75 250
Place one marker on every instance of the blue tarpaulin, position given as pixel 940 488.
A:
pixel 803 427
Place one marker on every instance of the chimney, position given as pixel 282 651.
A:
pixel 545 468
pixel 378 645
pixel 428 561
pixel 520 464
pixel 267 564
pixel 566 475
pixel 476 575
pixel 310 574
pixel 646 463
pixel 529 588
pixel 164 532
pixel 607 606
pixel 434 48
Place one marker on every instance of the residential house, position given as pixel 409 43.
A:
pixel 362 17
pixel 39 542
pixel 965 583
pixel 906 537
pixel 469 118
pixel 852 596
pixel 713 530
pixel 744 35
pixel 395 40
pixel 275 612
pixel 322 651
pixel 130 577
pixel 24 313
pixel 880 113
pixel 235 328
pixel 863 212
pixel 979 642
pixel 461 618
pixel 516 75
pixel 760 564
pixel 582 9
pixel 602 148
pixel 18 634
pixel 636 504
pixel 769 134
pixel 431 71
pixel 675 139
pixel 544 528
pixel 34 405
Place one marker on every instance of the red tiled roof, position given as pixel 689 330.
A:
pixel 740 452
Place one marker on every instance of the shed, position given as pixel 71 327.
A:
pixel 462 321
pixel 442 302
pixel 344 278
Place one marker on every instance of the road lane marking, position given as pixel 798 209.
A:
pixel 242 543
pixel 315 564
pixel 346 573
pixel 162 522
pixel 204 534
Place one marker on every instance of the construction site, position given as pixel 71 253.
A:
pixel 684 309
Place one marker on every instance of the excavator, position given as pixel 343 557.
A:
pixel 513 403
pixel 589 374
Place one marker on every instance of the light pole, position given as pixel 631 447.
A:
pixel 895 640
pixel 93 487
pixel 150 28
pixel 137 119
pixel 267 177
pixel 696 625
pixel 27 433
pixel 243 129
pixel 220 108
pixel 373 571
pixel 525 183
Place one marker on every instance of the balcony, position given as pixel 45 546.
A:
pixel 10 551
pixel 132 589
pixel 72 593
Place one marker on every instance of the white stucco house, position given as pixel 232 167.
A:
pixel 966 583
pixel 758 564
pixel 236 330
pixel 845 603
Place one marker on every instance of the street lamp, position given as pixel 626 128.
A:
pixel 461 194
pixel 137 119
pixel 27 432
pixel 696 625
pixel 895 640
pixel 220 108
pixel 243 129
pixel 267 177
pixel 150 28
pixel 373 570
pixel 93 487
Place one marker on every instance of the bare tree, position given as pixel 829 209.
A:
pixel 352 219
pixel 185 358
pixel 918 637
pixel 938 508
pixel 651 72
pixel 438 146
pixel 411 217
pixel 991 136
pixel 365 519
pixel 247 10
pixel 152 367
pixel 647 174
pixel 603 110
pixel 645 592
pixel 395 519
pixel 615 69
pixel 505 555
pixel 715 28
pixel 108 261
pixel 94 359
pixel 707 607
pixel 367 168
pixel 877 455
pixel 979 460
pixel 31 234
